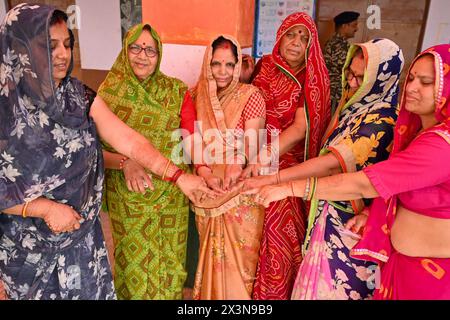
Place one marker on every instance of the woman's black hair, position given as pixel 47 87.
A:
pixel 148 28
pixel 221 41
pixel 59 16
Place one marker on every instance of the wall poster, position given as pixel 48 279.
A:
pixel 269 16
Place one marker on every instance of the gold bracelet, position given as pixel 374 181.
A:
pixel 292 188
pixel 313 188
pixel 24 209
pixel 278 177
pixel 166 169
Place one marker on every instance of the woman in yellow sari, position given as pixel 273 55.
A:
pixel 230 227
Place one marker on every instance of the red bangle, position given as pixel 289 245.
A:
pixel 122 161
pixel 198 166
pixel 176 176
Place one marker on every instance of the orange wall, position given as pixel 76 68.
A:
pixel 195 22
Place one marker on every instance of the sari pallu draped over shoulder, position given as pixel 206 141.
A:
pixel 229 233
pixel 149 230
pixel 285 92
pixel 404 277
pixel 49 149
pixel 359 135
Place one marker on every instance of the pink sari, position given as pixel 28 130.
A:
pixel 410 177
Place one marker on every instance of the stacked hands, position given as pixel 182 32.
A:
pixel 263 188
pixel 206 186
pixel 266 189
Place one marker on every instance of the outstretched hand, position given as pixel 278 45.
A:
pixel 265 195
pixel 232 175
pixel 195 188
pixel 258 182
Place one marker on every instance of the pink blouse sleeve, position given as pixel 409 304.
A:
pixel 424 163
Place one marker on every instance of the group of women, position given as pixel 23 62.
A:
pixel 295 233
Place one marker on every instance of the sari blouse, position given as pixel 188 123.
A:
pixel 418 175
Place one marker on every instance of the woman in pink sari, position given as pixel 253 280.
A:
pixel 407 231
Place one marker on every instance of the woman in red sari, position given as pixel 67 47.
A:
pixel 296 88
pixel 407 231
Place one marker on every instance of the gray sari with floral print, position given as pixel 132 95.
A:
pixel 48 148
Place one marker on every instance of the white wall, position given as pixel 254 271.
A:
pixel 2 9
pixel 437 30
pixel 185 62
pixel 101 41
pixel 100 34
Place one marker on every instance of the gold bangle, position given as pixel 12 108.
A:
pixel 292 188
pixel 166 169
pixel 278 177
pixel 313 188
pixel 24 209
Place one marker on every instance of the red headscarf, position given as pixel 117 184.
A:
pixel 285 92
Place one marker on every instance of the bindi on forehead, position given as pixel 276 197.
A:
pixel 224 45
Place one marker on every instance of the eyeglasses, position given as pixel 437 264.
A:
pixel 137 49
pixel 349 75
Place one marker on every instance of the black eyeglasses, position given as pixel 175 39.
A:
pixel 349 75
pixel 149 51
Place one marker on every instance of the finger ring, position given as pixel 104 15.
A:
pixel 145 185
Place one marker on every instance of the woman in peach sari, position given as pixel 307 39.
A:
pixel 230 227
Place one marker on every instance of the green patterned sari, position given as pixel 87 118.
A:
pixel 149 230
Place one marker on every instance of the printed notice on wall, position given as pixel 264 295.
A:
pixel 269 16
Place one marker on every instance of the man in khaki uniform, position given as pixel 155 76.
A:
pixel 346 25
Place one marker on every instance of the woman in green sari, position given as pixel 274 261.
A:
pixel 149 218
